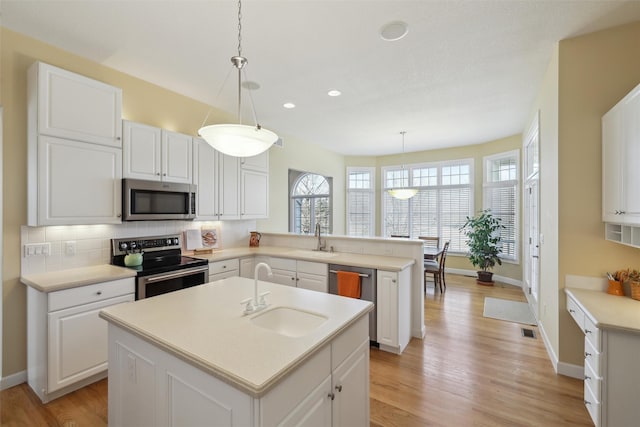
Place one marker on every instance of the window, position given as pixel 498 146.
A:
pixel 500 194
pixel 441 206
pixel 360 201
pixel 310 202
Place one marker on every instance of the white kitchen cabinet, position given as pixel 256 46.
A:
pixel 254 191
pixel 258 163
pixel 218 179
pixel 219 270
pixel 394 311
pixel 155 154
pixel 77 183
pixel 70 106
pixel 148 386
pixel 247 267
pixel 610 377
pixel 74 149
pixel 302 274
pixel 66 340
pixel 620 151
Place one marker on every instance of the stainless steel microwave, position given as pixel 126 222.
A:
pixel 154 200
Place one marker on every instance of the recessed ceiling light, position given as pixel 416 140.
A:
pixel 394 31
pixel 249 85
pixel 334 92
pixel 289 105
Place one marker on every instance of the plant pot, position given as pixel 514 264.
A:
pixel 485 278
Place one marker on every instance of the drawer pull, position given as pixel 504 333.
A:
pixel 99 293
pixel 331 395
pixel 587 377
pixel 586 402
pixel 587 354
pixel 586 331
pixel 339 388
pixel 571 310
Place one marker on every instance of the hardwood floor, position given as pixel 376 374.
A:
pixel 468 371
pixel 471 370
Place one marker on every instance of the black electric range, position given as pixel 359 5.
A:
pixel 164 268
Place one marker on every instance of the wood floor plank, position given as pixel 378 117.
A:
pixel 468 371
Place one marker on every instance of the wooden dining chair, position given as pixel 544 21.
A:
pixel 437 269
pixel 430 242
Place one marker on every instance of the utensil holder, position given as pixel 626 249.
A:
pixel 615 288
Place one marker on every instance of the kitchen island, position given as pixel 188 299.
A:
pixel 193 358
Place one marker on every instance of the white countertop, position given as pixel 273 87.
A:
pixel 381 262
pixel 608 311
pixel 74 277
pixel 205 326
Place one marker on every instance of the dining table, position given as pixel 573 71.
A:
pixel 432 252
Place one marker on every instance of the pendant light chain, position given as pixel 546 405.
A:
pixel 239 27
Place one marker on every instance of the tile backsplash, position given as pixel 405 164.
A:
pixel 93 242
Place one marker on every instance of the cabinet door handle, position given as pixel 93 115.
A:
pixel 571 310
pixel 586 402
pixel 587 377
pixel 118 138
pixel 586 331
pixel 331 396
pixel 586 354
pixel 393 280
pixel 339 388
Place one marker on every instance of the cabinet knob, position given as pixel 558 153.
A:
pixel 164 174
pixel 99 293
pixel 297 279
pixel 293 278
pixel 586 354
pixel 158 173
pixel 586 331
pixel 224 266
pixel 393 280
pixel 119 215
pixel 339 388
pixel 587 377
pixel 586 402
pixel 571 310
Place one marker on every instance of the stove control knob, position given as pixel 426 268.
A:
pixel 123 246
pixel 168 242
pixel 176 241
pixel 133 245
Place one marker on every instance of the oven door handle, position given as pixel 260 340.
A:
pixel 180 273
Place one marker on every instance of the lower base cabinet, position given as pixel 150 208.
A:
pixel 66 339
pixel 148 386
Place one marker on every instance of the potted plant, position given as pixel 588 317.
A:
pixel 483 232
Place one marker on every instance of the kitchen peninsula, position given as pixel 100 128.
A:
pixel 192 356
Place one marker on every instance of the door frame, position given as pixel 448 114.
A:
pixel 531 229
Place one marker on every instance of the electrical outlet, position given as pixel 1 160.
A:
pixel 70 247
pixel 36 249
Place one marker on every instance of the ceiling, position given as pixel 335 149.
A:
pixel 467 71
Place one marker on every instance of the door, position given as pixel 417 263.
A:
pixel 141 151
pixel 177 155
pixel 531 232
pixel 532 240
pixel 78 183
pixel 78 342
pixel 255 194
pixel 350 387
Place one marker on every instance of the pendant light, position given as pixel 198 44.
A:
pixel 239 140
pixel 402 193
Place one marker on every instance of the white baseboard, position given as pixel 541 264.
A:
pixel 13 380
pixel 472 273
pixel 552 354
pixel 569 370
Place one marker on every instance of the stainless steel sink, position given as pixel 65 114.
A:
pixel 289 321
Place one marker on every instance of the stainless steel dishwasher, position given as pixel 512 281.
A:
pixel 369 292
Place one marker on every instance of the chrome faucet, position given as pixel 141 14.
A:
pixel 320 246
pixel 254 304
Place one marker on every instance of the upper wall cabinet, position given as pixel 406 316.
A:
pixel 74 150
pixel 155 154
pixel 71 106
pixel 620 154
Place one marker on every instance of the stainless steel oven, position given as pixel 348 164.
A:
pixel 164 269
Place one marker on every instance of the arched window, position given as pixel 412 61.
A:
pixel 310 202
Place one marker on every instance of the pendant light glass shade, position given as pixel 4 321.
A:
pixel 238 140
pixel 402 193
